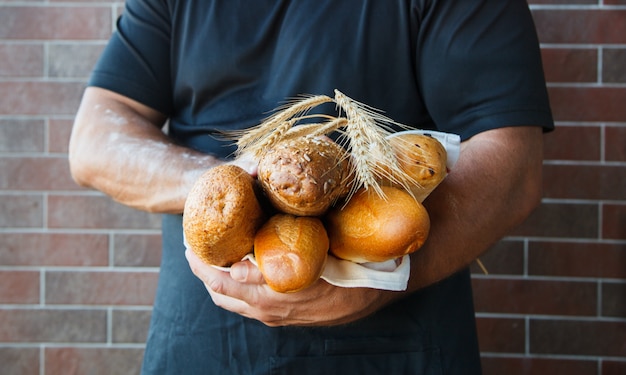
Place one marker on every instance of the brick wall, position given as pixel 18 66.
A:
pixel 78 272
pixel 555 299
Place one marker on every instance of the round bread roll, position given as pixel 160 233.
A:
pixel 222 215
pixel 423 158
pixel 374 229
pixel 304 176
pixel 291 251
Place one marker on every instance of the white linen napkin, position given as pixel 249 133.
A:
pixel 390 275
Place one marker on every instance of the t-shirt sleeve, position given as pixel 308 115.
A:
pixel 479 66
pixel 136 61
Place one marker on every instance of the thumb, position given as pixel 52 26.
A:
pixel 246 272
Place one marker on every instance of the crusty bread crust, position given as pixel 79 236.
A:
pixel 304 176
pixel 423 158
pixel 291 251
pixel 374 229
pixel 222 215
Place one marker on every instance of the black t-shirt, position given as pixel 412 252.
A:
pixel 461 66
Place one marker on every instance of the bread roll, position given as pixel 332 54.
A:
pixel 291 251
pixel 423 158
pixel 303 176
pixel 222 215
pixel 372 229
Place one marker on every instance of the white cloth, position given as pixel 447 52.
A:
pixel 390 275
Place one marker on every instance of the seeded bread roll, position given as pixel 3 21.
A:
pixel 373 229
pixel 423 158
pixel 222 215
pixel 291 251
pixel 304 176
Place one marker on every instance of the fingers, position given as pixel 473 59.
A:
pixel 246 272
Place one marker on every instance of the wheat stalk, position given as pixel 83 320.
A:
pixel 316 129
pixel 253 139
pixel 363 131
pixel 372 156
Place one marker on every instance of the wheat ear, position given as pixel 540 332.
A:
pixel 372 156
pixel 317 129
pixel 274 126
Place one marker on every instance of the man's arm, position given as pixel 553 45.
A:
pixel 494 186
pixel 117 147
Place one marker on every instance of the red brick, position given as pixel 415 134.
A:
pixel 49 23
pixel 517 296
pixel 561 220
pixel 101 288
pixel 577 259
pixel 130 326
pixel 96 361
pixel 578 337
pixel 573 143
pixel 137 250
pixel 21 211
pixel 601 182
pixel 613 367
pixel 580 26
pixel 614 299
pixel 42 325
pixel 500 335
pixel 614 221
pixel 614 2
pixel 615 144
pixel 538 366
pixel 588 103
pixel 19 361
pixel 59 132
pixel 504 258
pixel 72 59
pixel 17 135
pixel 19 287
pixel 21 60
pixel 613 63
pixel 97 212
pixel 54 249
pixel 570 64
pixel 40 98
pixel 36 173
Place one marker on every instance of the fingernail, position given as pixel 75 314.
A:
pixel 239 272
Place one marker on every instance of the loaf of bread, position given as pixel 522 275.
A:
pixel 221 215
pixel 304 176
pixel 374 229
pixel 423 158
pixel 291 251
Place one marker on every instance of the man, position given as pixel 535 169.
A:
pixel 467 67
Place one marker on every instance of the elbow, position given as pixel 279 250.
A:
pixel 531 192
pixel 79 171
pixel 81 166
pixel 534 193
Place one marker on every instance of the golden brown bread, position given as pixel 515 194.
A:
pixel 303 176
pixel 222 215
pixel 423 158
pixel 372 229
pixel 291 251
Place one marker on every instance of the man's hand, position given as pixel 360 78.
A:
pixel 244 291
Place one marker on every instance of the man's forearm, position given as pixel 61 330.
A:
pixel 494 187
pixel 117 147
